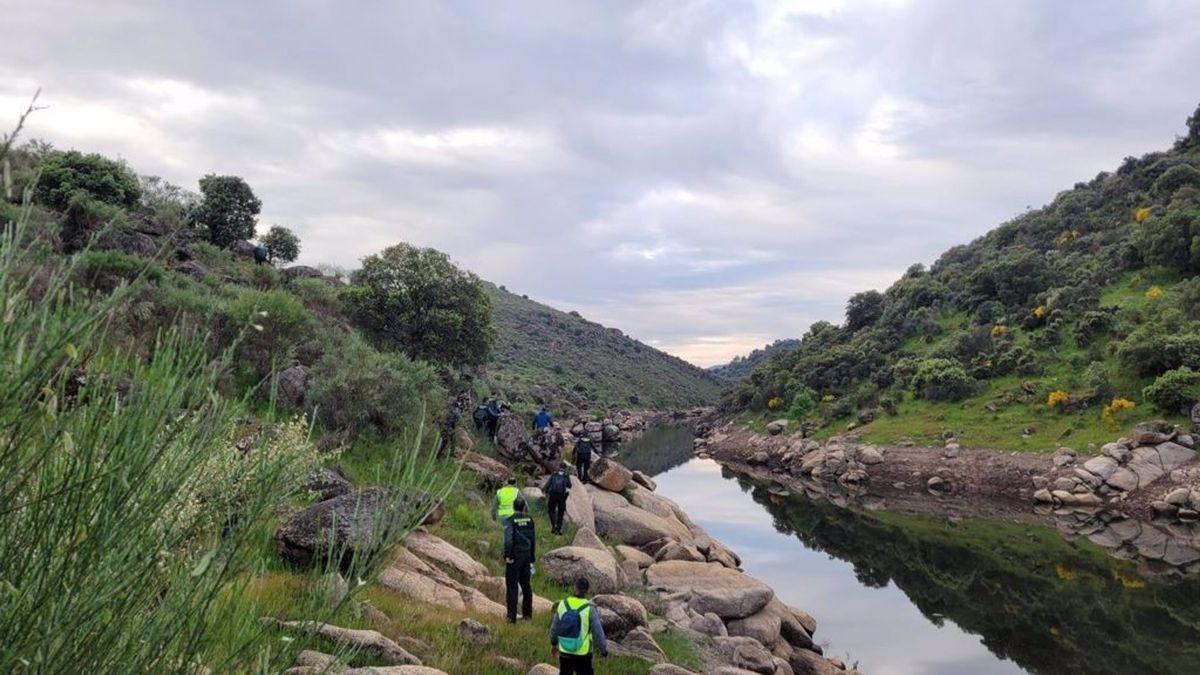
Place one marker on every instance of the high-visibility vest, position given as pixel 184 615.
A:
pixel 585 625
pixel 505 497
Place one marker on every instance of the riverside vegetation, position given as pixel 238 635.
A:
pixel 1059 326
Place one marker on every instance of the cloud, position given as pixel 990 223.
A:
pixel 706 176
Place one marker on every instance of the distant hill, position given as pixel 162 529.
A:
pixel 543 354
pixel 1060 326
pixel 741 366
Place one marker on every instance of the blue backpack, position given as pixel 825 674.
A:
pixel 569 630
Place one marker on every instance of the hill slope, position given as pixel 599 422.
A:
pixel 544 355
pixel 1057 327
pixel 742 366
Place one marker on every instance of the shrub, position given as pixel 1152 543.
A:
pixel 282 244
pixel 356 387
pixel 84 217
pixel 942 380
pixel 264 325
pixel 418 301
pixel 228 209
pixel 65 175
pixel 1178 176
pixel 1096 377
pixel 863 309
pixel 105 270
pixel 1058 399
pixel 1112 412
pixel 1092 324
pixel 774 403
pixel 1171 239
pixel 1153 349
pixel 1175 391
pixel 803 403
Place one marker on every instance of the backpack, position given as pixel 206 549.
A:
pixel 583 449
pixel 569 629
pixel 558 484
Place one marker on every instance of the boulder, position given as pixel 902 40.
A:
pixel 325 483
pixel 707 624
pixel 1174 455
pixel 543 669
pixel 346 525
pixel 670 669
pixel 610 433
pixel 711 587
pixel 804 662
pixel 1153 433
pixel 620 614
pixel 242 249
pixel 444 554
pixel 763 626
pixel 609 475
pixel 292 386
pixel 489 473
pixel 745 653
pixel 1102 466
pixel 301 272
pixel 569 563
pixel 586 538
pixel 411 583
pixel 532 494
pixel 579 506
pixel 1123 479
pixel 674 550
pixel 777 427
pixel 369 642
pixel 615 517
pixel 1118 451
pixel 638 642
pixel 194 269
pixel 638 557
pixel 870 455
pixel 644 480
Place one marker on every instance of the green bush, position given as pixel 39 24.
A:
pixel 228 209
pixel 64 175
pixel 942 380
pixel 1175 391
pixel 268 325
pixel 358 388
pixel 1153 349
pixel 84 217
pixel 1173 238
pixel 321 297
pixel 105 270
pixel 1180 175
pixel 803 403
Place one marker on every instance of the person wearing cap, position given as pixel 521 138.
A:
pixel 520 548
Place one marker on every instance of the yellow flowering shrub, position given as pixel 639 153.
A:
pixel 1057 398
pixel 828 398
pixel 1112 412
pixel 999 331
pixel 1039 311
pixel 1153 293
pixel 775 403
pixel 1142 214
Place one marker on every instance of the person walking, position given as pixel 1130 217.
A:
pixel 583 458
pixel 505 501
pixel 494 410
pixel 557 489
pixel 451 423
pixel 520 548
pixel 542 420
pixel 576 631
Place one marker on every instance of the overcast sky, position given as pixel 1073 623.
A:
pixel 706 176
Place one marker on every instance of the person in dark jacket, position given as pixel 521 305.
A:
pixel 583 458
pixel 494 410
pixel 262 254
pixel 542 420
pixel 452 418
pixel 520 549
pixel 557 488
pixel 576 632
pixel 480 416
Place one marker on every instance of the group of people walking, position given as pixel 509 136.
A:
pixel 576 631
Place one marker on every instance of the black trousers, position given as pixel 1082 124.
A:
pixel 582 464
pixel 558 507
pixel 569 664
pixel 516 574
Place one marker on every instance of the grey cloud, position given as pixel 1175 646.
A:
pixel 704 175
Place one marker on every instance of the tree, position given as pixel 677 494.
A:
pixel 1192 139
pixel 416 300
pixel 66 174
pixel 863 309
pixel 228 208
pixel 282 244
pixel 1172 239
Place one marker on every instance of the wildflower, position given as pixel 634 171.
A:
pixel 1113 410
pixel 1153 293
pixel 828 398
pixel 1039 311
pixel 775 403
pixel 998 331
pixel 1142 214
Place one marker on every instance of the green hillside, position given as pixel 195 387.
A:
pixel 742 366
pixel 544 355
pixel 1057 327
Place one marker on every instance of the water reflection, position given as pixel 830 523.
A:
pixel 915 594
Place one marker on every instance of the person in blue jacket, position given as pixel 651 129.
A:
pixel 542 420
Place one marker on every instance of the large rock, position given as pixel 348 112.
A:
pixel 1102 466
pixel 711 587
pixel 293 386
pixel 242 249
pixel 437 550
pixel 609 475
pixel 745 653
pixel 670 669
pixel 301 272
pixel 569 563
pixel 620 614
pixel 543 669
pixel 1153 433
pixel 347 525
pixel 626 523
pixel 586 538
pixel 636 555
pixel 489 473
pixel 777 427
pixel 762 626
pixel 579 506
pixel 804 662
pixel 644 480
pixel 325 483
pixel 369 642
pixel 640 643
pixel 1173 455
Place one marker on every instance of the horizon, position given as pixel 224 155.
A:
pixel 731 173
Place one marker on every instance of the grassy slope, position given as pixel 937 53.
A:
pixel 975 426
pixel 544 352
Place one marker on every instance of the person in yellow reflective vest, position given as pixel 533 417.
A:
pixel 576 632
pixel 502 505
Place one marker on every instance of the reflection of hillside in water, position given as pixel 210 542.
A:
pixel 662 448
pixel 1049 604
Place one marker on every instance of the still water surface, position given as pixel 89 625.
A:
pixel 911 594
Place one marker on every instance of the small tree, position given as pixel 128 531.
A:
pixel 66 174
pixel 282 244
pixel 418 301
pixel 863 309
pixel 942 380
pixel 228 208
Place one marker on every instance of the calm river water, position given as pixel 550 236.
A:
pixel 906 594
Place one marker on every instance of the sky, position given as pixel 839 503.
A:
pixel 707 176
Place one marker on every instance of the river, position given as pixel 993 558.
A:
pixel 914 594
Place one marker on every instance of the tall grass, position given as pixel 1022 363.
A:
pixel 135 505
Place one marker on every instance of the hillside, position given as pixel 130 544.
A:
pixel 1054 328
pixel 742 366
pixel 544 355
